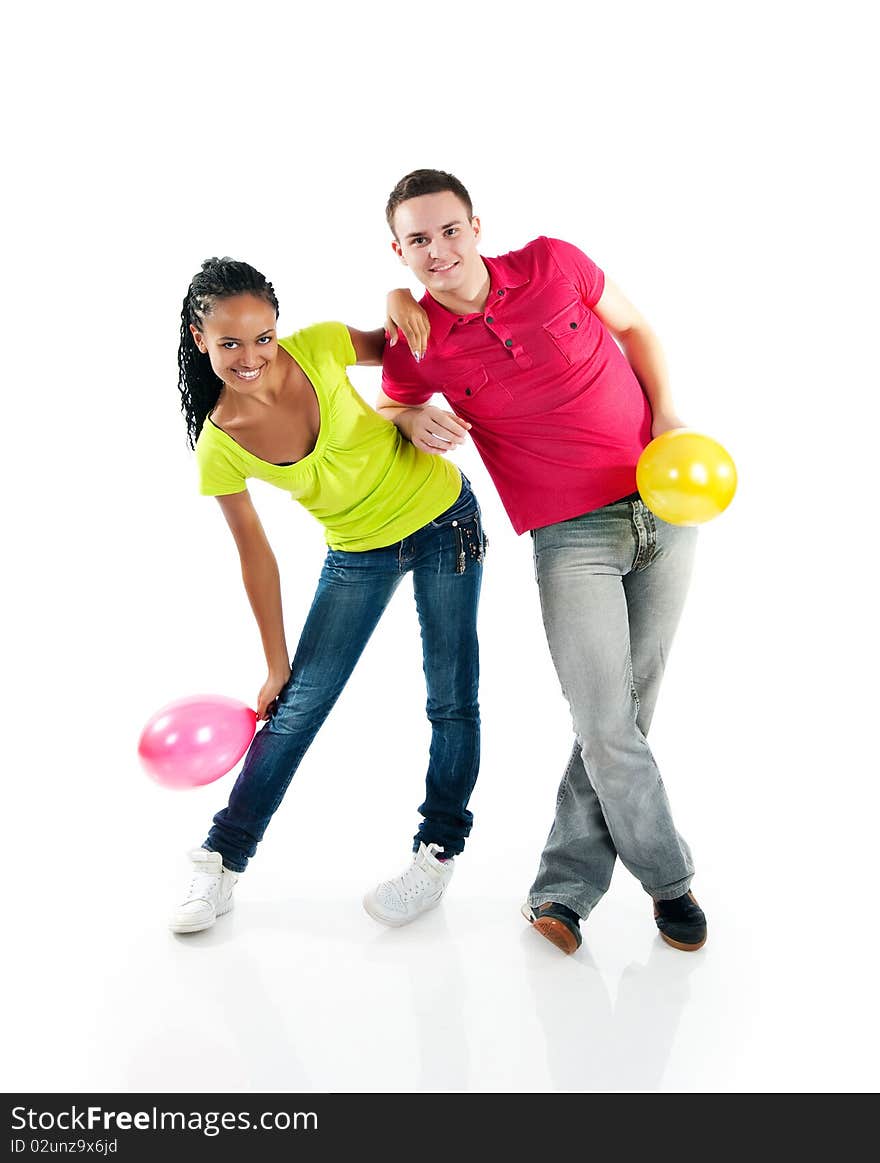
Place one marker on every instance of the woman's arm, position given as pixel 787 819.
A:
pixel 368 346
pixel 402 310
pixel 259 571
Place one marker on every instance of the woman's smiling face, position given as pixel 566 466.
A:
pixel 240 340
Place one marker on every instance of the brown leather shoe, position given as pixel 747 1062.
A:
pixel 555 922
pixel 682 923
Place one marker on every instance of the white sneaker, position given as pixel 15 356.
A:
pixel 421 887
pixel 209 895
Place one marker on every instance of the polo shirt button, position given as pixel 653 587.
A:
pixel 500 292
pixel 508 343
pixel 573 326
pixel 490 319
pixel 454 524
pixel 467 391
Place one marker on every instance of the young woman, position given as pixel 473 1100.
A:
pixel 284 411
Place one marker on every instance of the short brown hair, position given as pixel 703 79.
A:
pixel 420 182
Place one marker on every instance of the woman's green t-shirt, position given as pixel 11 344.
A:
pixel 365 483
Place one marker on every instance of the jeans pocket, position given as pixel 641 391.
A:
pixel 462 508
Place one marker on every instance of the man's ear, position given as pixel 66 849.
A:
pixel 398 250
pixel 475 224
pixel 197 338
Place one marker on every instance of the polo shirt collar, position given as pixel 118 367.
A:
pixel 502 277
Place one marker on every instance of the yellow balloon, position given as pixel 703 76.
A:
pixel 686 478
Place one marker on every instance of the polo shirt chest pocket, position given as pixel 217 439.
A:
pixel 474 393
pixel 573 331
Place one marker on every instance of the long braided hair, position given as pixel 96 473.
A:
pixel 219 278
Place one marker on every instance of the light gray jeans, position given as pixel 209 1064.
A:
pixel 612 586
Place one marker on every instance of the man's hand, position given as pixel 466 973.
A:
pixel 431 429
pixel 663 424
pixel 404 312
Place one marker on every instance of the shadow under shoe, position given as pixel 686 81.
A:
pixel 682 923
pixel 558 923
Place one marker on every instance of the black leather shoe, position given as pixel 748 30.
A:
pixel 558 923
pixel 682 923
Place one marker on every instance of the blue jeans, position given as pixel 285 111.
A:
pixel 445 558
pixel 612 586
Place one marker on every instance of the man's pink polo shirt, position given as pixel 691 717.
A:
pixel 558 415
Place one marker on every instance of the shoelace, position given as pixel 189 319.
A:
pixel 416 879
pixel 413 875
pixel 203 886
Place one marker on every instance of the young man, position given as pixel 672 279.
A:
pixel 523 349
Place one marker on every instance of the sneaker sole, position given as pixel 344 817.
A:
pixel 197 928
pixel 200 926
pixel 396 923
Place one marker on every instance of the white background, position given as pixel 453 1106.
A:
pixel 717 162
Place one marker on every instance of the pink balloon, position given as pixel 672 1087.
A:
pixel 195 740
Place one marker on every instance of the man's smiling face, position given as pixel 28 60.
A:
pixel 437 240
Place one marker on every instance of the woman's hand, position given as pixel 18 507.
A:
pixel 270 691
pixel 404 312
